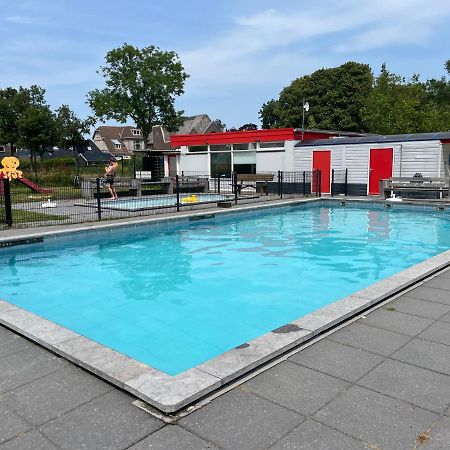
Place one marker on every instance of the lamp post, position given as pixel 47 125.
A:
pixel 304 108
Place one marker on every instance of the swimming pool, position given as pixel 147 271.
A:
pixel 143 203
pixel 176 295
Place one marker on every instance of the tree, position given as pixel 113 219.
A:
pixel 141 84
pixel 397 105
pixel 220 124
pixel 72 130
pixel 269 114
pixel 335 96
pixel 38 131
pixel 248 127
pixel 13 104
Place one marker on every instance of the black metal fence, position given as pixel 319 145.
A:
pixel 25 204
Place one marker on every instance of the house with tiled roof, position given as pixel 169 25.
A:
pixel 118 140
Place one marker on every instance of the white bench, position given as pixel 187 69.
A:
pixel 144 174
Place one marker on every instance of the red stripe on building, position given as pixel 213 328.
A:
pixel 238 137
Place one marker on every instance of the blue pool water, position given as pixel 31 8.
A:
pixel 140 203
pixel 174 296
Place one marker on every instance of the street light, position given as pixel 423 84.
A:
pixel 305 108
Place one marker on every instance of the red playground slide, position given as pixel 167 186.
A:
pixel 33 186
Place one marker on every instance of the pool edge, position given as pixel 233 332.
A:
pixel 172 393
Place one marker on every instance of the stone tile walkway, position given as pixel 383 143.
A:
pixel 382 382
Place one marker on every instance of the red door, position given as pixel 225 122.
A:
pixel 380 167
pixel 322 162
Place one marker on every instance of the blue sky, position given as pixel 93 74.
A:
pixel 239 54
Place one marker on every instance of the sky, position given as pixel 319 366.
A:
pixel 239 53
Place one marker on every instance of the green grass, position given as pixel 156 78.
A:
pixel 20 216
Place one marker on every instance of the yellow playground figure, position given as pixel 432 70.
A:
pixel 9 170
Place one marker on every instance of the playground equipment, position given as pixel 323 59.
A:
pixel 10 171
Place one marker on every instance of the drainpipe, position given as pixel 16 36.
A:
pixel 401 159
pixel 440 157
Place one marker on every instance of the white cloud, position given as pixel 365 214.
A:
pixel 261 45
pixel 24 20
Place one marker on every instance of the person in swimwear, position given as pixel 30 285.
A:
pixel 110 173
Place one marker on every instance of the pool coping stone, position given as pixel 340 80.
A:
pixel 172 393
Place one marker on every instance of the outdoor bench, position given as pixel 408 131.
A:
pixel 258 181
pixel 416 185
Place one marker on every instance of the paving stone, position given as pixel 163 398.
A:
pixel 311 435
pixel 439 283
pixel 54 394
pixel 299 388
pixel 337 359
pixel 396 321
pixel 173 437
pixel 28 365
pixel 369 338
pixel 438 332
pixel 376 419
pixel 439 436
pixel 418 307
pixel 445 274
pixel 421 387
pixel 109 421
pixel 445 318
pixel 5 334
pixel 430 294
pixel 10 423
pixel 13 344
pixel 32 440
pixel 426 354
pixel 240 420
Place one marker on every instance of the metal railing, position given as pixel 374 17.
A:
pixel 31 205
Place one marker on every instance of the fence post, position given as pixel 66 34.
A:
pixel 320 183
pixel 281 184
pixel 304 182
pixel 8 205
pixel 346 180
pixel 235 187
pixel 134 167
pixel 332 182
pixel 177 188
pixel 218 184
pixel 99 207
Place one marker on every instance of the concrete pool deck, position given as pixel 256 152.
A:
pixel 170 394
pixel 288 336
pixel 382 382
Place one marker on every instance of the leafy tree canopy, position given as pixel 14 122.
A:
pixel 396 105
pixel 141 84
pixel 13 104
pixel 335 95
pixel 248 127
pixel 349 98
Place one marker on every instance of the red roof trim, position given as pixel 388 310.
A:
pixel 238 137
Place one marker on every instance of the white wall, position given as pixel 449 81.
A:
pixel 445 167
pixel 409 158
pixel 420 157
pixel 191 162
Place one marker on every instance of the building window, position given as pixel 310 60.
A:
pixel 244 162
pixel 197 148
pixel 136 132
pixel 137 145
pixel 220 164
pixel 246 146
pixel 220 148
pixel 271 145
pixel 116 143
pixel 97 137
